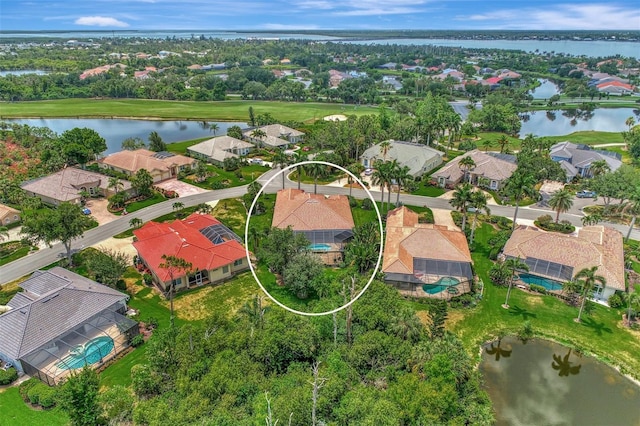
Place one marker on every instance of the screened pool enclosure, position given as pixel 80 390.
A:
pixel 434 278
pixel 91 343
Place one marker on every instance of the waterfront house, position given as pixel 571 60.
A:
pixel 275 136
pixel 557 258
pixel 161 165
pixel 216 150
pixel 576 159
pixel 490 167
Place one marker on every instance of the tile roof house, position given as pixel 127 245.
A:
pixel 493 167
pixel 560 257
pixel 277 136
pixel 8 215
pixel 62 321
pixel 419 158
pixel 216 150
pixel 325 220
pixel 66 185
pixel 161 165
pixel 214 251
pixel 576 159
pixel 425 260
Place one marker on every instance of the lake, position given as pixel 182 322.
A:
pixel 114 131
pixel 22 72
pixel 558 123
pixel 543 383
pixel 546 90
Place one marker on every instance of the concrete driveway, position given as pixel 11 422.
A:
pixel 99 212
pixel 183 189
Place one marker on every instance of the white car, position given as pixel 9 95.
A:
pixel 368 172
pixel 6 366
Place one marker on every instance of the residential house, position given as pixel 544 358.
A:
pixel 276 136
pixel 213 250
pixel 8 215
pixel 69 184
pixel 325 220
pixel 216 150
pixel 425 260
pixel 419 158
pixel 576 159
pixel 491 170
pixel 161 165
pixel 62 321
pixel 557 258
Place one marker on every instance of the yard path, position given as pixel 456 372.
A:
pixel 443 217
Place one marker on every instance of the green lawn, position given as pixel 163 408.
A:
pixel 600 333
pixel 181 147
pixel 236 110
pixel 220 178
pixel 428 190
pixel 13 411
pixel 22 251
pixel 137 205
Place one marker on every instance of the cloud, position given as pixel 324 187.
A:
pixel 561 16
pixel 100 21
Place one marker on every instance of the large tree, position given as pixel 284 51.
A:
pixel 65 223
pixel 513 264
pixel 280 247
pixel 519 186
pixel 479 204
pixel 303 274
pixel 142 182
pixel 80 145
pixel 107 265
pixel 78 397
pixel 177 267
pixel 156 143
pixel 461 199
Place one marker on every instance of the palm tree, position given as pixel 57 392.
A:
pixel 461 199
pixel 561 201
pixel 599 167
pixel 115 183
pixel 633 206
pixel 213 127
pixel 479 203
pixel 204 208
pixel 258 134
pixel 519 186
pixel 135 223
pixel 591 219
pixel 177 206
pixel 355 169
pixel 384 149
pixel 513 264
pixel 487 143
pixel 381 176
pixel 299 156
pixel 281 160
pixel 466 164
pixel 503 141
pixel 316 170
pixel 630 122
pixel 588 279
pixel 176 266
pixel 402 178
pixel 632 299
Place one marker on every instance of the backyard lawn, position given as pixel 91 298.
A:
pixel 219 178
pixel 13 411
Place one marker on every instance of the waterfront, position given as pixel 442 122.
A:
pixel 544 383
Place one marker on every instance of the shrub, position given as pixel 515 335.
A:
pixel 467 145
pixel 26 386
pixel 544 219
pixel 463 301
pixel 37 391
pixel 367 204
pixel 353 202
pixel 537 288
pixel 8 376
pixel 137 340
pixel 526 332
pixel 615 301
pixel 147 278
pixel 48 396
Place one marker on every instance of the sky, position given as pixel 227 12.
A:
pixel 318 14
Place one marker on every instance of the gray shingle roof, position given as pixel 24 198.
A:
pixel 412 155
pixel 70 301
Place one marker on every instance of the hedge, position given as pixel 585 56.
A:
pixel 41 394
pixel 8 376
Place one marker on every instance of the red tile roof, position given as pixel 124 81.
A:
pixel 182 238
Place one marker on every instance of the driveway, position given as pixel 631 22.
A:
pixel 183 189
pixel 99 212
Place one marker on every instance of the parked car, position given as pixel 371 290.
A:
pixel 257 161
pixel 86 210
pixel 6 366
pixel 368 172
pixel 586 194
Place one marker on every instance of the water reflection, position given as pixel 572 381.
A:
pixel 564 122
pixel 498 351
pixel 526 391
pixel 563 365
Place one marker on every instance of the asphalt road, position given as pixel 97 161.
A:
pixel 46 256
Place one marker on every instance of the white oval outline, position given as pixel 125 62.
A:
pixel 246 242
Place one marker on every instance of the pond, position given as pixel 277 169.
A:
pixel 22 72
pixel 114 131
pixel 544 383
pixel 559 122
pixel 546 90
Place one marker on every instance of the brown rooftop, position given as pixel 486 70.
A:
pixel 309 212
pixel 407 239
pixel 144 159
pixel 593 246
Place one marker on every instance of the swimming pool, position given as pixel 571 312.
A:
pixel 441 285
pixel 544 282
pixel 319 247
pixel 89 353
